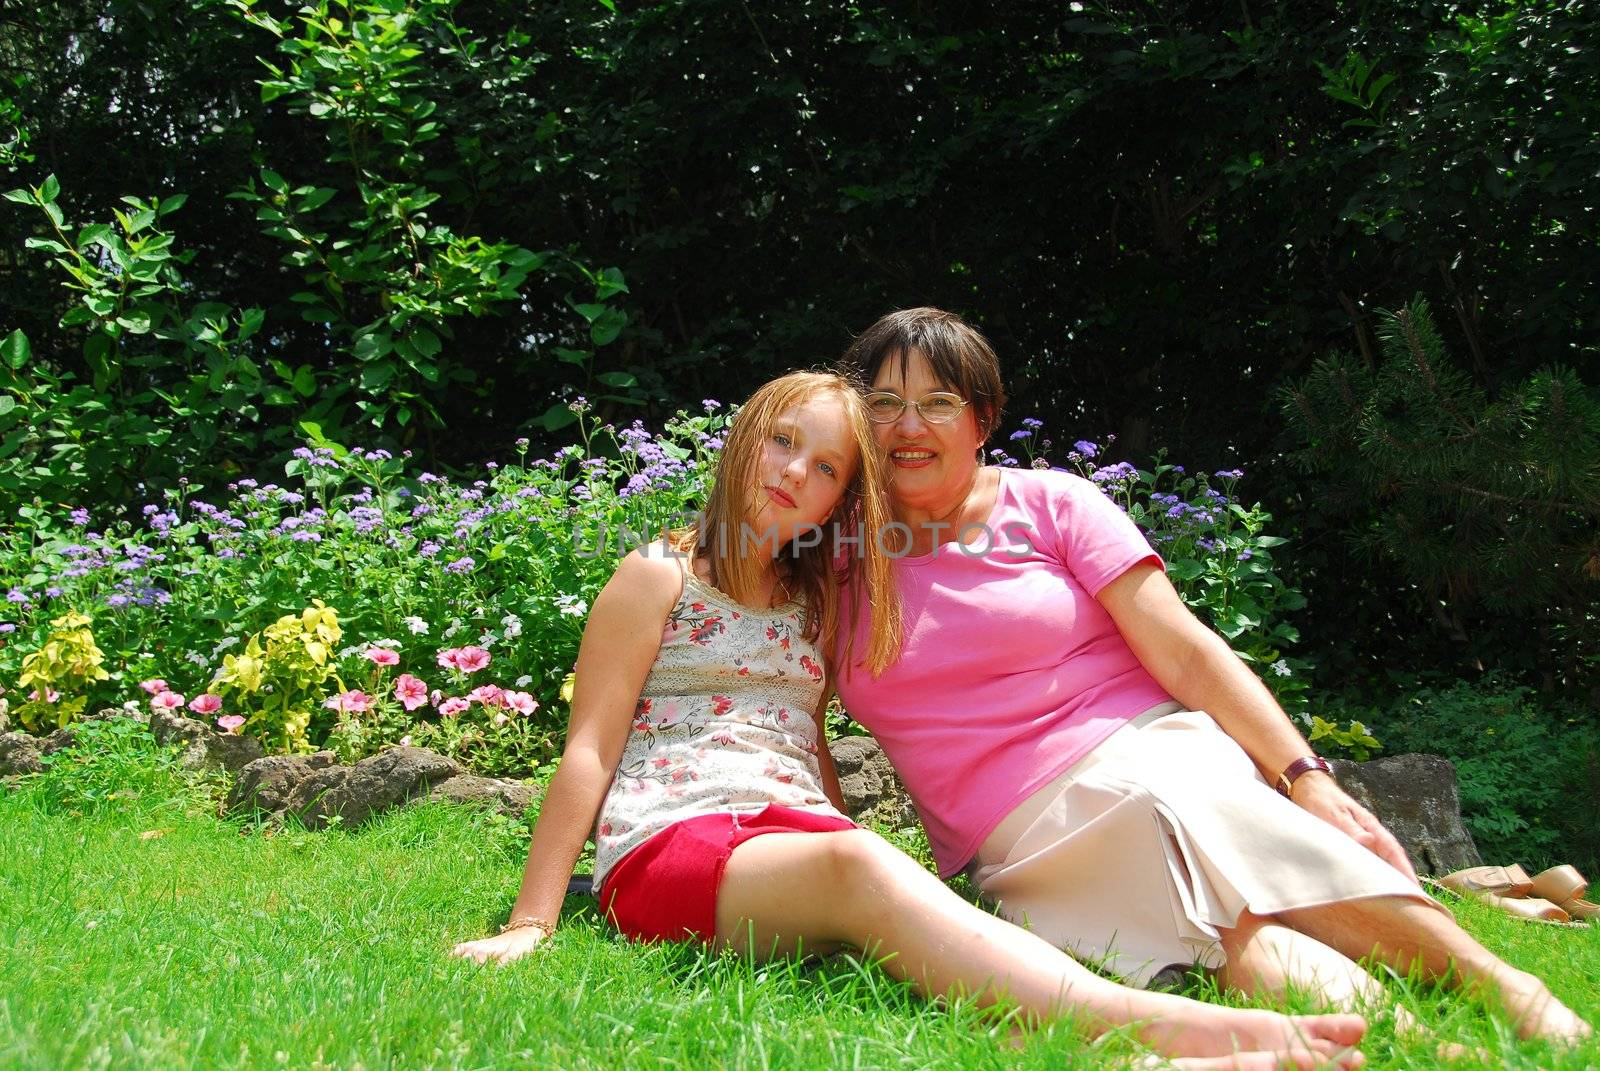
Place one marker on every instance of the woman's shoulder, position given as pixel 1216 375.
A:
pixel 1044 487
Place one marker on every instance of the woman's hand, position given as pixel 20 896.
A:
pixel 502 948
pixel 1321 795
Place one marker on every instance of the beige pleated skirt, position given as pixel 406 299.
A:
pixel 1163 835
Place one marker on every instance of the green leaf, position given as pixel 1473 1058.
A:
pixel 591 311
pixel 274 181
pixel 304 382
pixel 317 198
pixel 606 329
pixel 556 417
pixel 250 321
pixel 314 431
pixel 619 380
pixel 172 204
pixel 578 357
pixel 425 341
pixel 7 403
pixel 15 349
pixel 609 282
pixel 50 189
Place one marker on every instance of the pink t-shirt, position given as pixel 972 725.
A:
pixel 1011 670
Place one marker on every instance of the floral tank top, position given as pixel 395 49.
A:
pixel 722 726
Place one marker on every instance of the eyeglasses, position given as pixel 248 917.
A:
pixel 940 407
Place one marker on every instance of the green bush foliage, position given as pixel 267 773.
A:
pixel 1489 504
pixel 1528 766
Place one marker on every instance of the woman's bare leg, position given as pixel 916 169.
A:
pixel 821 890
pixel 1268 959
pixel 1404 933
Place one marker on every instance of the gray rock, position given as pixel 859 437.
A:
pixel 269 783
pixel 61 738
pixel 508 797
pixel 373 785
pixel 19 754
pixel 871 789
pixel 203 747
pixel 1415 797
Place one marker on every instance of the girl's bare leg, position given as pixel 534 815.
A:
pixel 783 891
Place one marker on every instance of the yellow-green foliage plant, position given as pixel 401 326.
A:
pixel 279 678
pixel 59 673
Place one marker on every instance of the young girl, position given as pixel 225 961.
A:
pixel 696 735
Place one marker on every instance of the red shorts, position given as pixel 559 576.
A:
pixel 666 888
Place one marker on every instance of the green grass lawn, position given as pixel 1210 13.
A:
pixel 142 931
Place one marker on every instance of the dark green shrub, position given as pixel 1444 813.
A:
pixel 1529 767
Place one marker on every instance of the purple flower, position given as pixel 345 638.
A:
pixel 1229 474
pixel 1018 436
pixel 1032 423
pixel 710 404
pixel 6 626
pixel 460 565
pixel 16 595
pixel 80 517
pixel 303 536
pixel 52 592
pixel 1112 473
pixel 1087 449
pixel 116 601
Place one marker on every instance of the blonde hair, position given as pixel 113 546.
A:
pixel 811 571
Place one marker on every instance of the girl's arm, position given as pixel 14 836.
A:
pixel 1200 670
pixel 830 774
pixel 620 643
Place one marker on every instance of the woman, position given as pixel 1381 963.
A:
pixel 1045 716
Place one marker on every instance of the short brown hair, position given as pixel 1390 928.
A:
pixel 958 354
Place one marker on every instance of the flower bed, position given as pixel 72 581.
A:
pixel 358 604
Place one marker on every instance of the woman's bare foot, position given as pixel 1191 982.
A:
pixel 1536 1011
pixel 1247 1039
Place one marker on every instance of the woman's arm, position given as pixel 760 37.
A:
pixel 620 643
pixel 1200 670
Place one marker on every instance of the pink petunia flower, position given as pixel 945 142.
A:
pixel 230 723
pixel 453 706
pixel 50 695
pixel 471 659
pixel 155 685
pixel 381 656
pixel 522 703
pixel 206 704
pixel 405 741
pixel 448 658
pixel 411 692
pixel 166 701
pixel 499 718
pixel 490 695
pixel 352 702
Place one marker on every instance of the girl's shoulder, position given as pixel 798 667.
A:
pixel 653 574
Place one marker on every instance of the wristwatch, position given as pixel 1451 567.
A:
pixel 1292 772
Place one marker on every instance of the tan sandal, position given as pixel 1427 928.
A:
pixel 1565 886
pixel 1510 881
pixel 1470 884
